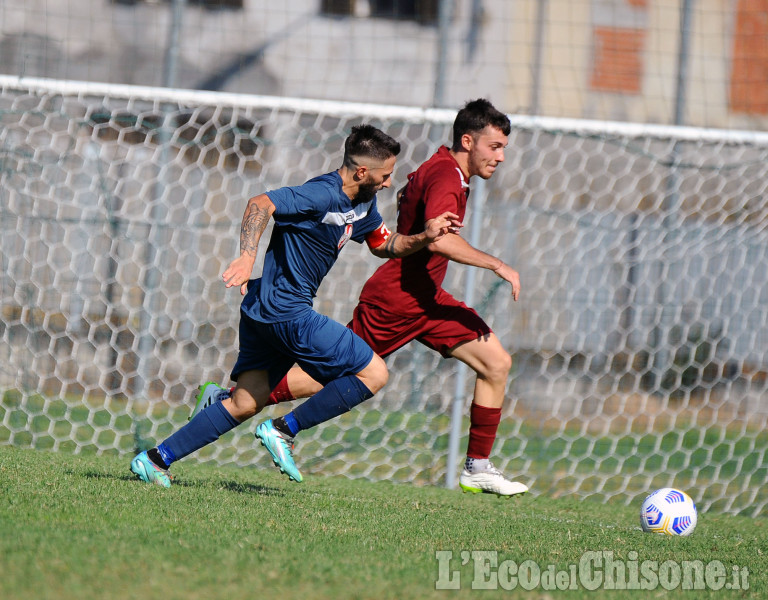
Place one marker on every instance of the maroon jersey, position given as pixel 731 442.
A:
pixel 412 284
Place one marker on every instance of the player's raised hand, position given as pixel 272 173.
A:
pixel 442 225
pixel 507 273
pixel 239 272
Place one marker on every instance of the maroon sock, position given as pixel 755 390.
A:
pixel 281 393
pixel 484 422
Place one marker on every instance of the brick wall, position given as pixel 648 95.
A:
pixel 749 74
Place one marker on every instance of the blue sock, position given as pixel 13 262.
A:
pixel 207 426
pixel 292 424
pixel 166 454
pixel 336 398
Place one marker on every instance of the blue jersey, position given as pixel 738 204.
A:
pixel 313 221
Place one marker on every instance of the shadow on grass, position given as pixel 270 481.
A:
pixel 231 486
pixel 248 488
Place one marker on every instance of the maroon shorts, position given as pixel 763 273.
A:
pixel 442 326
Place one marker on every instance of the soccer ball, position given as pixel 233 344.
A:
pixel 668 511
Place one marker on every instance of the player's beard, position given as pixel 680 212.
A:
pixel 482 169
pixel 365 192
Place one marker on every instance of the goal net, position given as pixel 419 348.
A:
pixel 640 340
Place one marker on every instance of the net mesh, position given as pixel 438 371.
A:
pixel 639 341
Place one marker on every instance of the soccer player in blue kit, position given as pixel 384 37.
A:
pixel 278 326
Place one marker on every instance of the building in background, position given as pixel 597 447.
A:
pixel 599 59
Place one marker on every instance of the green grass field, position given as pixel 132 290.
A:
pixel 724 469
pixel 75 526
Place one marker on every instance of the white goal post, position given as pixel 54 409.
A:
pixel 640 341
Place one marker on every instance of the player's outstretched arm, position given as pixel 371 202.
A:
pixel 457 249
pixel 255 220
pixel 395 245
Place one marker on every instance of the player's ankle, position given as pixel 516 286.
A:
pixel 476 465
pixel 154 455
pixel 280 424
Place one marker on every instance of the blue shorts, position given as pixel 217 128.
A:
pixel 325 349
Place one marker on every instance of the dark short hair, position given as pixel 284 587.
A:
pixel 476 116
pixel 366 141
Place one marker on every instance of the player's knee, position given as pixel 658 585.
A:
pixel 375 375
pixel 498 367
pixel 379 379
pixel 249 398
pixel 505 363
pixel 242 406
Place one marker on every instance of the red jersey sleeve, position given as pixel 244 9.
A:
pixel 444 191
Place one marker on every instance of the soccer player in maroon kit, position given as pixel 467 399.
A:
pixel 404 299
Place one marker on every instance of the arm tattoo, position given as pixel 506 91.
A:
pixel 389 246
pixel 254 223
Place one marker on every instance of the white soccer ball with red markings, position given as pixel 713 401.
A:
pixel 668 511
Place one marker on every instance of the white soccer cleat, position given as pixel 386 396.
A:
pixel 490 481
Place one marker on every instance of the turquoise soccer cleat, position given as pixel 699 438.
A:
pixel 146 470
pixel 280 447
